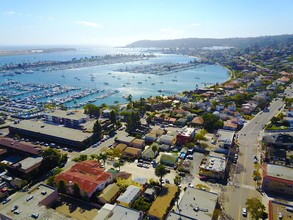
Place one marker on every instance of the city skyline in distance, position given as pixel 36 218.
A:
pixel 117 23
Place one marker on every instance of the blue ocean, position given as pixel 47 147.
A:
pixel 105 78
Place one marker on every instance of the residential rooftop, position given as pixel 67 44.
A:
pixel 195 204
pixel 129 194
pixel 185 131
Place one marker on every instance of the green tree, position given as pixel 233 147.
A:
pixel 76 190
pixel 133 122
pixel 92 110
pixel 63 158
pixel 94 157
pixel 61 186
pixel 113 117
pixel 51 158
pixel 141 205
pixel 177 180
pixel 51 181
pixel 255 208
pixel 97 129
pixel 211 122
pixel 103 156
pixel 155 149
pixel 129 98
pixel 80 158
pixel 160 171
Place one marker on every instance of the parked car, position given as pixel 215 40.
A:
pixel 244 213
pixel 190 157
pixel 6 200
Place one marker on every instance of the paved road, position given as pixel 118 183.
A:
pixel 234 197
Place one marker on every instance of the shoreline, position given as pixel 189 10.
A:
pixel 33 51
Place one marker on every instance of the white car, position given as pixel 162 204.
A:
pixel 244 213
pixel 190 185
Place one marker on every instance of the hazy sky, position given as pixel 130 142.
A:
pixel 119 22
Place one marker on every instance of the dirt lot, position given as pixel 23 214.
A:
pixel 76 209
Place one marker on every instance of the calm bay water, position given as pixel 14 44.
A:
pixel 138 85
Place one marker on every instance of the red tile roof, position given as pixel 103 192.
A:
pixel 87 174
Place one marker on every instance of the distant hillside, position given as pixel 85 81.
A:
pixel 209 42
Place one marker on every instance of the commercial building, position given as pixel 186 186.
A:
pixel 36 202
pixel 195 204
pixel 278 210
pixel 20 147
pixel 277 179
pixel 51 133
pixel 72 119
pixel 26 168
pixel 213 166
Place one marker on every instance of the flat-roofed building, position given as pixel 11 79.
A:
pixel 51 133
pixel 138 143
pixel 125 139
pixel 167 139
pixel 195 199
pixel 159 208
pixel 131 152
pixel 71 119
pixel 26 167
pixel 275 208
pixel 36 201
pixel 185 135
pixel 120 147
pixel 278 179
pixel 109 194
pixel 213 166
pixel 129 196
pixel 114 212
pixel 225 138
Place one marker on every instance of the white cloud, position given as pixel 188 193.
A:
pixel 26 28
pixel 89 24
pixel 195 24
pixel 10 13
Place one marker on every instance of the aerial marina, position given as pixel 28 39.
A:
pixel 94 79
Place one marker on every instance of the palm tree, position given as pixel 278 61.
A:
pixel 103 156
pixel 160 171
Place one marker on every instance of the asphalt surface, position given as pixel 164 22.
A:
pixel 242 185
